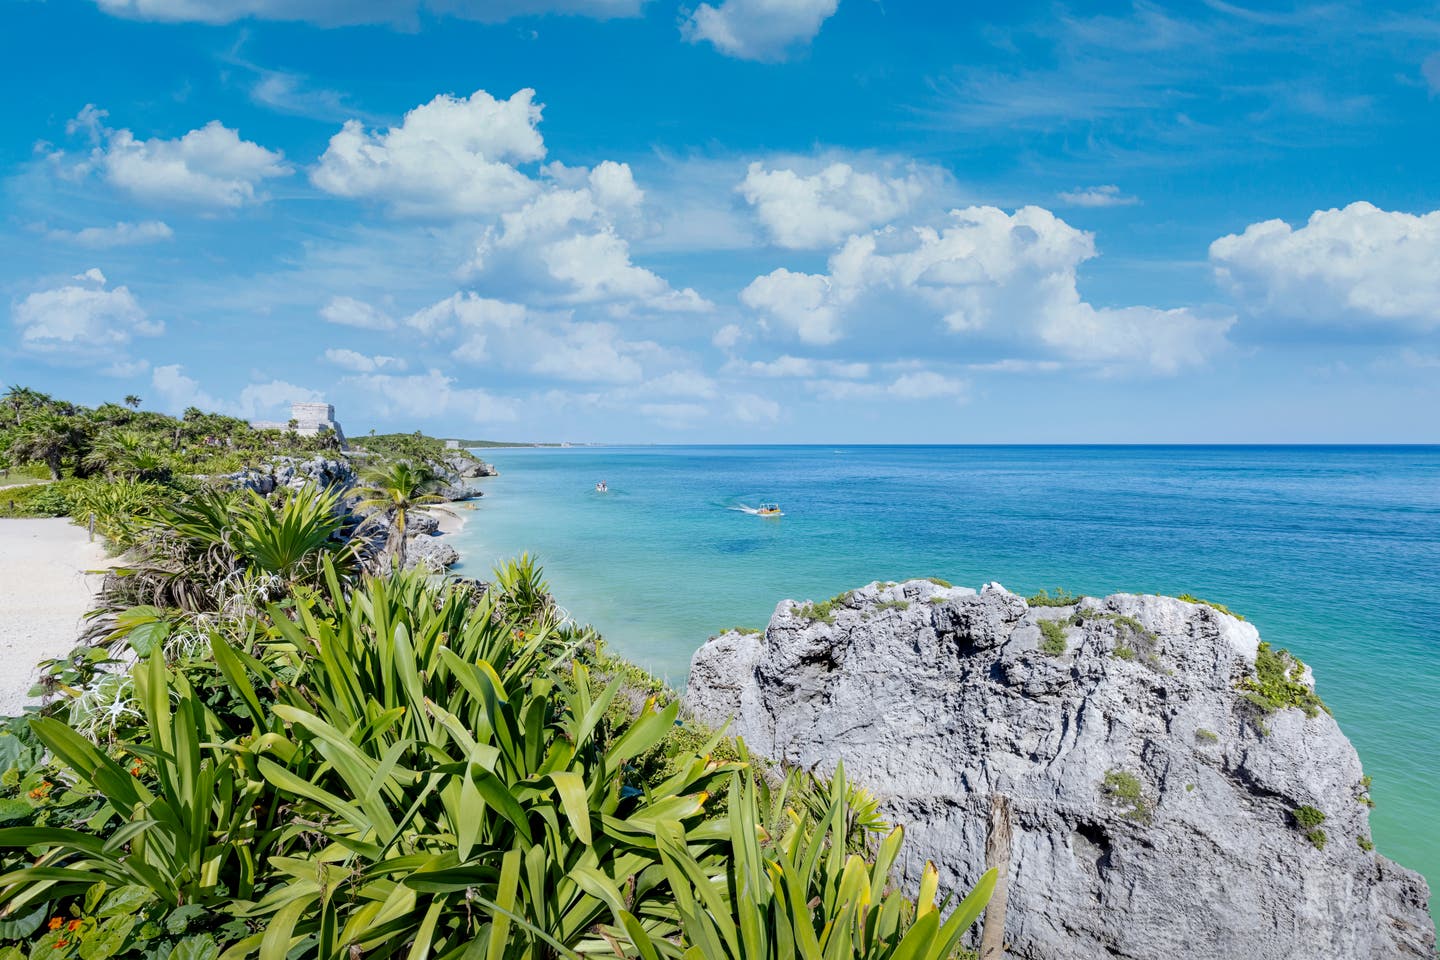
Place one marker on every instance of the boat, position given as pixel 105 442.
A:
pixel 602 487
pixel 769 510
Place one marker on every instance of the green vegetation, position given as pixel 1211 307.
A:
pixel 743 631
pixel 1123 789
pixel 892 605
pixel 1052 640
pixel 1365 843
pixel 1364 796
pixel 415 447
pixel 825 611
pixel 1278 683
pixel 1206 736
pixel 1123 652
pixel 1214 606
pixel 1308 820
pixel 399 487
pixel 940 583
pixel 1062 598
pixel 1132 640
pixel 388 764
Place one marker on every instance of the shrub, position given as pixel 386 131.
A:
pixel 1307 817
pixel 1123 789
pixel 1062 598
pixel 1052 640
pixel 1206 736
pixel 1278 683
pixel 893 605
pixel 940 583
pixel 1214 606
pixel 825 611
pixel 1365 843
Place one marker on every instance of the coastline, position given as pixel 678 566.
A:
pixel 46 567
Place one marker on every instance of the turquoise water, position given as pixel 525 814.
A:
pixel 1333 552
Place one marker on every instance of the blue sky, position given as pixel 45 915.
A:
pixel 746 220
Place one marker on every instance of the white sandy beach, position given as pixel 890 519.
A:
pixel 452 522
pixel 45 592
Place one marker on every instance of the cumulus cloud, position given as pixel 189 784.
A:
pixel 758 29
pixel 349 312
pixel 1108 195
pixel 450 157
pixel 910 385
pixel 1351 267
pixel 335 13
pixel 433 394
pixel 566 245
pixel 984 269
pixel 256 400
pixel 549 343
pixel 208 167
pixel 358 362
pixel 122 234
pixel 792 366
pixel 82 321
pixel 822 209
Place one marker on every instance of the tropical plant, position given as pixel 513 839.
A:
pixel 126 453
pixel 397 487
pixel 132 401
pixel 46 437
pixel 122 508
pixel 20 399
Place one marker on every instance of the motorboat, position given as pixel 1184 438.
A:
pixel 602 487
pixel 769 510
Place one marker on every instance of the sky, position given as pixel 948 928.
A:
pixel 770 221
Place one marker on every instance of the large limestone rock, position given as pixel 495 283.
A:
pixel 936 697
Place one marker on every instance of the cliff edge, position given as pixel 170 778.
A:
pixel 1177 789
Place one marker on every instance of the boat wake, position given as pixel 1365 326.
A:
pixel 753 511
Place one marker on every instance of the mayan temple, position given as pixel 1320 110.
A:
pixel 310 416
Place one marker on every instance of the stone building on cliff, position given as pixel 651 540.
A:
pixel 310 418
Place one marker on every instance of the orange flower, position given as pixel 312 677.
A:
pixel 55 923
pixel 60 943
pixel 73 925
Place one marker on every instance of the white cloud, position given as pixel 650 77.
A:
pixel 208 167
pixel 256 401
pixel 820 210
pixel 333 13
pixel 450 157
pixel 122 234
pixel 82 321
pixel 753 408
pixel 983 269
pixel 361 363
pixel 925 385
pixel 800 301
pixel 758 29
pixel 728 336
pixel 791 366
pixel 1355 266
pixel 432 395
pixel 549 343
pixel 349 312
pixel 1108 195
pixel 126 368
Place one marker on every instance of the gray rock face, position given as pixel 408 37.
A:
pixel 936 697
pixel 467 468
pixel 432 553
pixel 294 472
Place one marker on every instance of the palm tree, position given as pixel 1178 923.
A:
pixel 132 401
pixel 45 437
pixel 21 399
pixel 397 488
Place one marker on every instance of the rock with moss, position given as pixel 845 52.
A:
pixel 1154 796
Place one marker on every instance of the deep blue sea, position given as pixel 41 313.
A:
pixel 1333 552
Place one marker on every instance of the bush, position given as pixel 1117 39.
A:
pixel 1062 598
pixel 1212 605
pixel 1052 640
pixel 1307 817
pixel 1278 683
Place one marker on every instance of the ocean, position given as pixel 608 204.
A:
pixel 1333 552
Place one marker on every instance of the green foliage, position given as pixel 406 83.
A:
pixel 122 507
pixel 394 765
pixel 1206 736
pixel 1307 817
pixel 940 583
pixel 1123 652
pixel 1214 606
pixel 1278 683
pixel 1124 790
pixel 1365 843
pixel 825 611
pixel 1061 598
pixel 892 605
pixel 1053 640
pixel 39 500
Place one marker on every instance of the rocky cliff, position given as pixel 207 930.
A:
pixel 1168 800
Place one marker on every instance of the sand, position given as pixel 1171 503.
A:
pixel 452 522
pixel 45 592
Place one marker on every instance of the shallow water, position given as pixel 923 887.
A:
pixel 1333 552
